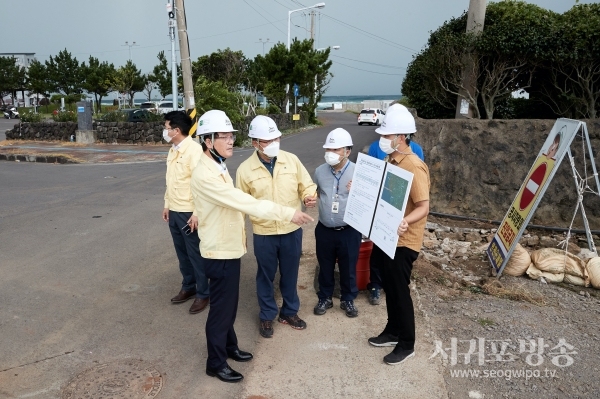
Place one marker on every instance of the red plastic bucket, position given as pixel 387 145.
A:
pixel 362 266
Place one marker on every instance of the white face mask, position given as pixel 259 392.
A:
pixel 272 150
pixel 386 145
pixel 332 158
pixel 166 136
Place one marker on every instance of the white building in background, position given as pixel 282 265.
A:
pixel 23 60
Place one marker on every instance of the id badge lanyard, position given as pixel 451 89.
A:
pixel 335 205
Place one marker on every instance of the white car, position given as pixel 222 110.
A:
pixel 372 116
pixel 165 107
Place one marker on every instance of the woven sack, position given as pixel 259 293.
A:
pixel 554 260
pixel 574 280
pixel 535 273
pixel 593 269
pixel 519 262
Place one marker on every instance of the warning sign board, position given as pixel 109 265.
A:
pixel 516 219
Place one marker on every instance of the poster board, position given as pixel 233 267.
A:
pixel 377 201
pixel 531 192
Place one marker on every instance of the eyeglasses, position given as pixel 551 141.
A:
pixel 227 138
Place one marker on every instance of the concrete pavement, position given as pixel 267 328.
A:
pixel 88 268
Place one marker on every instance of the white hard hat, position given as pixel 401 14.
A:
pixel 338 138
pixel 397 120
pixel 263 128
pixel 214 121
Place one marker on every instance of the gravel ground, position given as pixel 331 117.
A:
pixel 540 344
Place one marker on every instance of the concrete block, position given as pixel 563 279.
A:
pixel 85 136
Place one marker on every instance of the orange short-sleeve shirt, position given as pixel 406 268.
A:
pixel 419 191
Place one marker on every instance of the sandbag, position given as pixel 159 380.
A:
pixel 556 261
pixel 519 262
pixel 593 270
pixel 535 273
pixel 574 280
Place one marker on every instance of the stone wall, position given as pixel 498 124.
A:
pixel 125 132
pixel 477 167
pixel 59 131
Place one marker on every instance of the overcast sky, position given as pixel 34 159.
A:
pixel 377 38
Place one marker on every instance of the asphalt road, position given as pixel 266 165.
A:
pixel 88 268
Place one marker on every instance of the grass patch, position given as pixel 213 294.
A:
pixel 441 280
pixel 486 322
pixel 516 293
pixel 475 289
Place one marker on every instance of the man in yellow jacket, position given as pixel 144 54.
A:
pixel 278 176
pixel 179 211
pixel 220 208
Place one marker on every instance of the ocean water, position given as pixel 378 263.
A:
pixel 326 101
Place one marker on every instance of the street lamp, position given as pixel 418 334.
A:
pixel 287 86
pixel 321 49
pixel 130 46
pixel 263 43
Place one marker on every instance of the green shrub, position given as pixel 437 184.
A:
pixel 114 116
pixel 31 117
pixel 64 116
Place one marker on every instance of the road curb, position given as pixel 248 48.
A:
pixel 37 158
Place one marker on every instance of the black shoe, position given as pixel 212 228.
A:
pixel 349 307
pixel 384 339
pixel 293 321
pixel 399 357
pixel 266 328
pixel 226 374
pixel 240 356
pixel 323 305
pixel 374 296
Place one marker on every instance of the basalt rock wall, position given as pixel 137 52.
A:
pixel 478 166
pixel 127 132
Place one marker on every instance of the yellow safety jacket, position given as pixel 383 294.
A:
pixel 220 208
pixel 288 186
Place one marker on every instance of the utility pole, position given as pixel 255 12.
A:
pixel 186 65
pixel 172 29
pixel 475 21
pixel 312 27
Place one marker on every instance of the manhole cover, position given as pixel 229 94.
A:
pixel 124 379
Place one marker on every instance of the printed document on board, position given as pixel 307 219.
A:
pixel 377 201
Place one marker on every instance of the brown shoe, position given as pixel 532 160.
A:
pixel 199 305
pixel 183 296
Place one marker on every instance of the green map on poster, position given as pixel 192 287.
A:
pixel 394 190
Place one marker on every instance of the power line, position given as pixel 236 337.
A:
pixel 374 36
pixel 365 70
pixel 259 13
pixel 370 63
pixel 168 44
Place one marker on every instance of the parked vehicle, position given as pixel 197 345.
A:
pixel 11 113
pixel 165 107
pixel 372 116
pixel 130 115
pixel 150 106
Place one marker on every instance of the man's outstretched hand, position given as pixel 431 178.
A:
pixel 301 218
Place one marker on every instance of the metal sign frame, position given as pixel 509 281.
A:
pixel 496 248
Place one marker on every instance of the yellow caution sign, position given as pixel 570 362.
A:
pixel 192 113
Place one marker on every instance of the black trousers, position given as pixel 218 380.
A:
pixel 375 269
pixel 224 277
pixel 343 246
pixel 395 275
pixel 187 248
